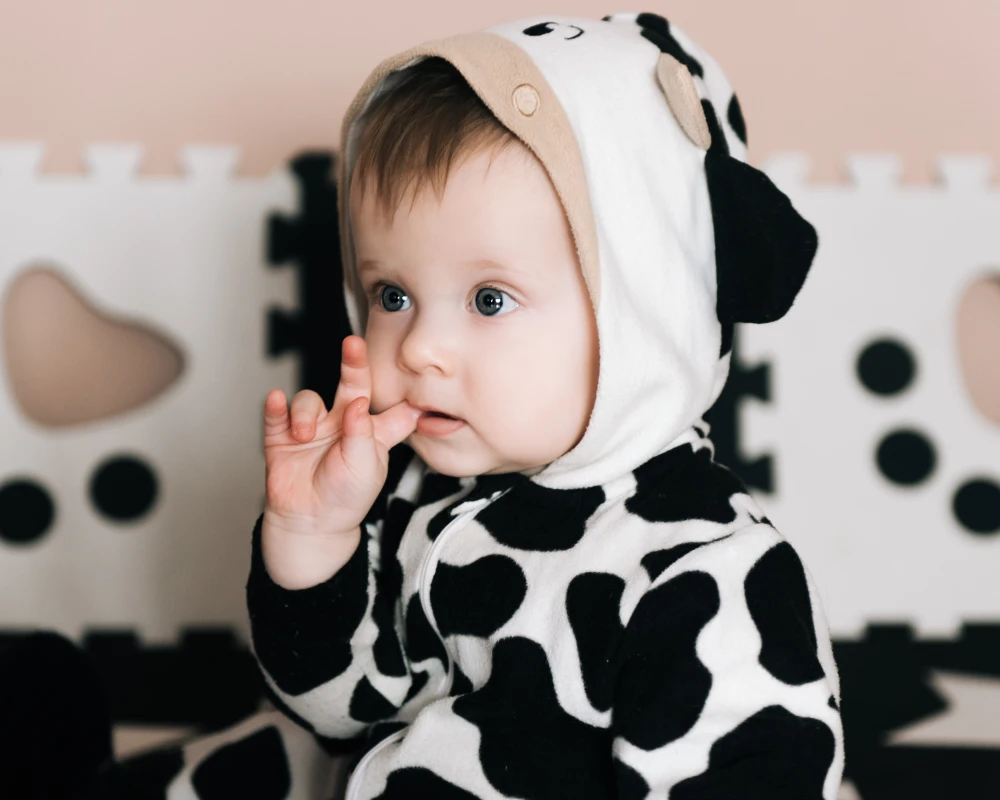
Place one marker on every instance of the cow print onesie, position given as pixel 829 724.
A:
pixel 625 623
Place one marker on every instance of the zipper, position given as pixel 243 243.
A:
pixel 423 585
pixel 473 508
pixel 352 790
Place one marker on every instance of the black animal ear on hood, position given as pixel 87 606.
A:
pixel 763 247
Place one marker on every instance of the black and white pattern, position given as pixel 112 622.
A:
pixel 534 658
pixel 626 623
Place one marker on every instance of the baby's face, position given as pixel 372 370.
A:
pixel 477 307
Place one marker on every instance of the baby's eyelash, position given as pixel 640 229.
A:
pixel 375 293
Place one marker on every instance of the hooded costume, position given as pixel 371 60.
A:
pixel 625 623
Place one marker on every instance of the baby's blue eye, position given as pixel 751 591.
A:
pixel 490 301
pixel 392 295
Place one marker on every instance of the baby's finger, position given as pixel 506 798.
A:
pixel 358 442
pixel 276 419
pixel 355 374
pixel 395 424
pixel 307 409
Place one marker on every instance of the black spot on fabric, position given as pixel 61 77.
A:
pixel 412 782
pixel 437 487
pixel 658 561
pixel 735 116
pixel 387 650
pixel 302 637
pixel 906 457
pixel 460 683
pixel 682 484
pixel 778 600
pixel 479 598
pixel 772 754
pixel 886 367
pixel 394 513
pixel 124 488
pixel 368 704
pixel 419 680
pixel 592 603
pixel 832 702
pixel 256 766
pixel 532 517
pixel 484 487
pixel 529 746
pixel 976 506
pixel 26 511
pixel 389 586
pixel 421 640
pixel 719 145
pixel 489 485
pixel 661 686
pixel 763 247
pixel 400 457
pixel 657 30
pixel 631 785
pixel 397 517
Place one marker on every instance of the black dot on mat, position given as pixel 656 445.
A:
pixel 886 367
pixel 977 506
pixel 123 488
pixel 906 457
pixel 26 511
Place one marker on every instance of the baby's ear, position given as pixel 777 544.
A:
pixel 763 248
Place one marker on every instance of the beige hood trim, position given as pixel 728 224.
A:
pixel 512 87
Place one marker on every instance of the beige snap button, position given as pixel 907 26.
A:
pixel 526 99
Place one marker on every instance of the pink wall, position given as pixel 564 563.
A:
pixel 918 78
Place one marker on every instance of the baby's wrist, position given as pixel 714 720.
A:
pixel 302 557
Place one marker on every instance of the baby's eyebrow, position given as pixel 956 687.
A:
pixel 367 265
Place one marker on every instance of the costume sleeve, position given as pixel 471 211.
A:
pixel 263 755
pixel 725 683
pixel 331 655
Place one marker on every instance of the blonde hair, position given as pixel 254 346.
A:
pixel 419 129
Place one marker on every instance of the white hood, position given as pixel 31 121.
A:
pixel 620 112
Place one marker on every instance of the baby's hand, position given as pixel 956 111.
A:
pixel 326 468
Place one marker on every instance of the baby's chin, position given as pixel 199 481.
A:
pixel 459 462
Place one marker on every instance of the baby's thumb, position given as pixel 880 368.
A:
pixel 358 443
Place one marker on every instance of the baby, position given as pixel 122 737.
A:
pixel 504 564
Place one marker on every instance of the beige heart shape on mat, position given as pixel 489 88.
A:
pixel 978 341
pixel 69 363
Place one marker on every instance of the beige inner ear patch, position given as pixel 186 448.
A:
pixel 978 341
pixel 682 97
pixel 68 362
